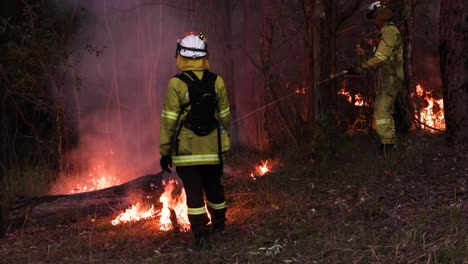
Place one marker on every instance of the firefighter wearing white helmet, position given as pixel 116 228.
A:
pixel 192 46
pixel 193 135
pixel 387 61
pixel 372 8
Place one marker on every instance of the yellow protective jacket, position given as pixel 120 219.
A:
pixel 191 148
pixel 388 55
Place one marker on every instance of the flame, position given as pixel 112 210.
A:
pixel 419 90
pixel 261 169
pixel 431 116
pixel 173 199
pixel 135 213
pixel 300 90
pixel 346 94
pixel 358 99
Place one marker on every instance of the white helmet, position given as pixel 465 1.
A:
pixel 192 45
pixel 373 8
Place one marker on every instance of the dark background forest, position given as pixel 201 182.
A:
pixel 82 84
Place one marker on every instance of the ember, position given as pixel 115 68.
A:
pixel 300 90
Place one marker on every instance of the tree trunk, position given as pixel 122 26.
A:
pixel 404 20
pixel 453 44
pixel 322 19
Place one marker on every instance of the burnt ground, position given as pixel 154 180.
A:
pixel 411 207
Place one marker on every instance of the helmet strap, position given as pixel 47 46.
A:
pixel 179 47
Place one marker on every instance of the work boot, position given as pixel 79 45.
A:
pixel 218 228
pixel 202 242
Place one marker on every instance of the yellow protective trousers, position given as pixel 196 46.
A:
pixel 384 109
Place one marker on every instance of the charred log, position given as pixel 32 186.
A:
pixel 100 203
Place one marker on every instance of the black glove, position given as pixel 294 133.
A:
pixel 166 163
pixel 351 71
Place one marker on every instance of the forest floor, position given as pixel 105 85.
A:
pixel 411 207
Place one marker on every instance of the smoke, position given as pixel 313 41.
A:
pixel 125 58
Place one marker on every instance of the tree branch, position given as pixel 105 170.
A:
pixel 347 10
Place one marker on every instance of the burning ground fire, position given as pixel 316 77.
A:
pixel 173 212
pixel 358 99
pixel 173 207
pixel 429 110
pixel 261 169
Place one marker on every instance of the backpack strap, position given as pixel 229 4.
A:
pixel 192 75
pixel 209 76
pixel 189 77
pixel 174 146
pixel 189 81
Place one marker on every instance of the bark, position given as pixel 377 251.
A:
pixel 453 44
pixel 308 9
pixel 404 20
pixel 62 208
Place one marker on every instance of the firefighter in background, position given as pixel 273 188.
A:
pixel 387 61
pixel 196 155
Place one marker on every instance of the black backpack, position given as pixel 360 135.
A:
pixel 202 95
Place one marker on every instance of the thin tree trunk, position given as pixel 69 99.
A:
pixel 275 117
pixel 404 20
pixel 308 10
pixel 324 18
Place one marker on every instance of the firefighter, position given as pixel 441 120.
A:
pixel 387 62
pixel 196 155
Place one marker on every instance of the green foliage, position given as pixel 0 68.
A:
pixel 34 56
pixel 32 181
pixel 33 44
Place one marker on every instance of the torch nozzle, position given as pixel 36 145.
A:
pixel 334 75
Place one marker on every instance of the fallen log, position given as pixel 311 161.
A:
pixel 52 209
